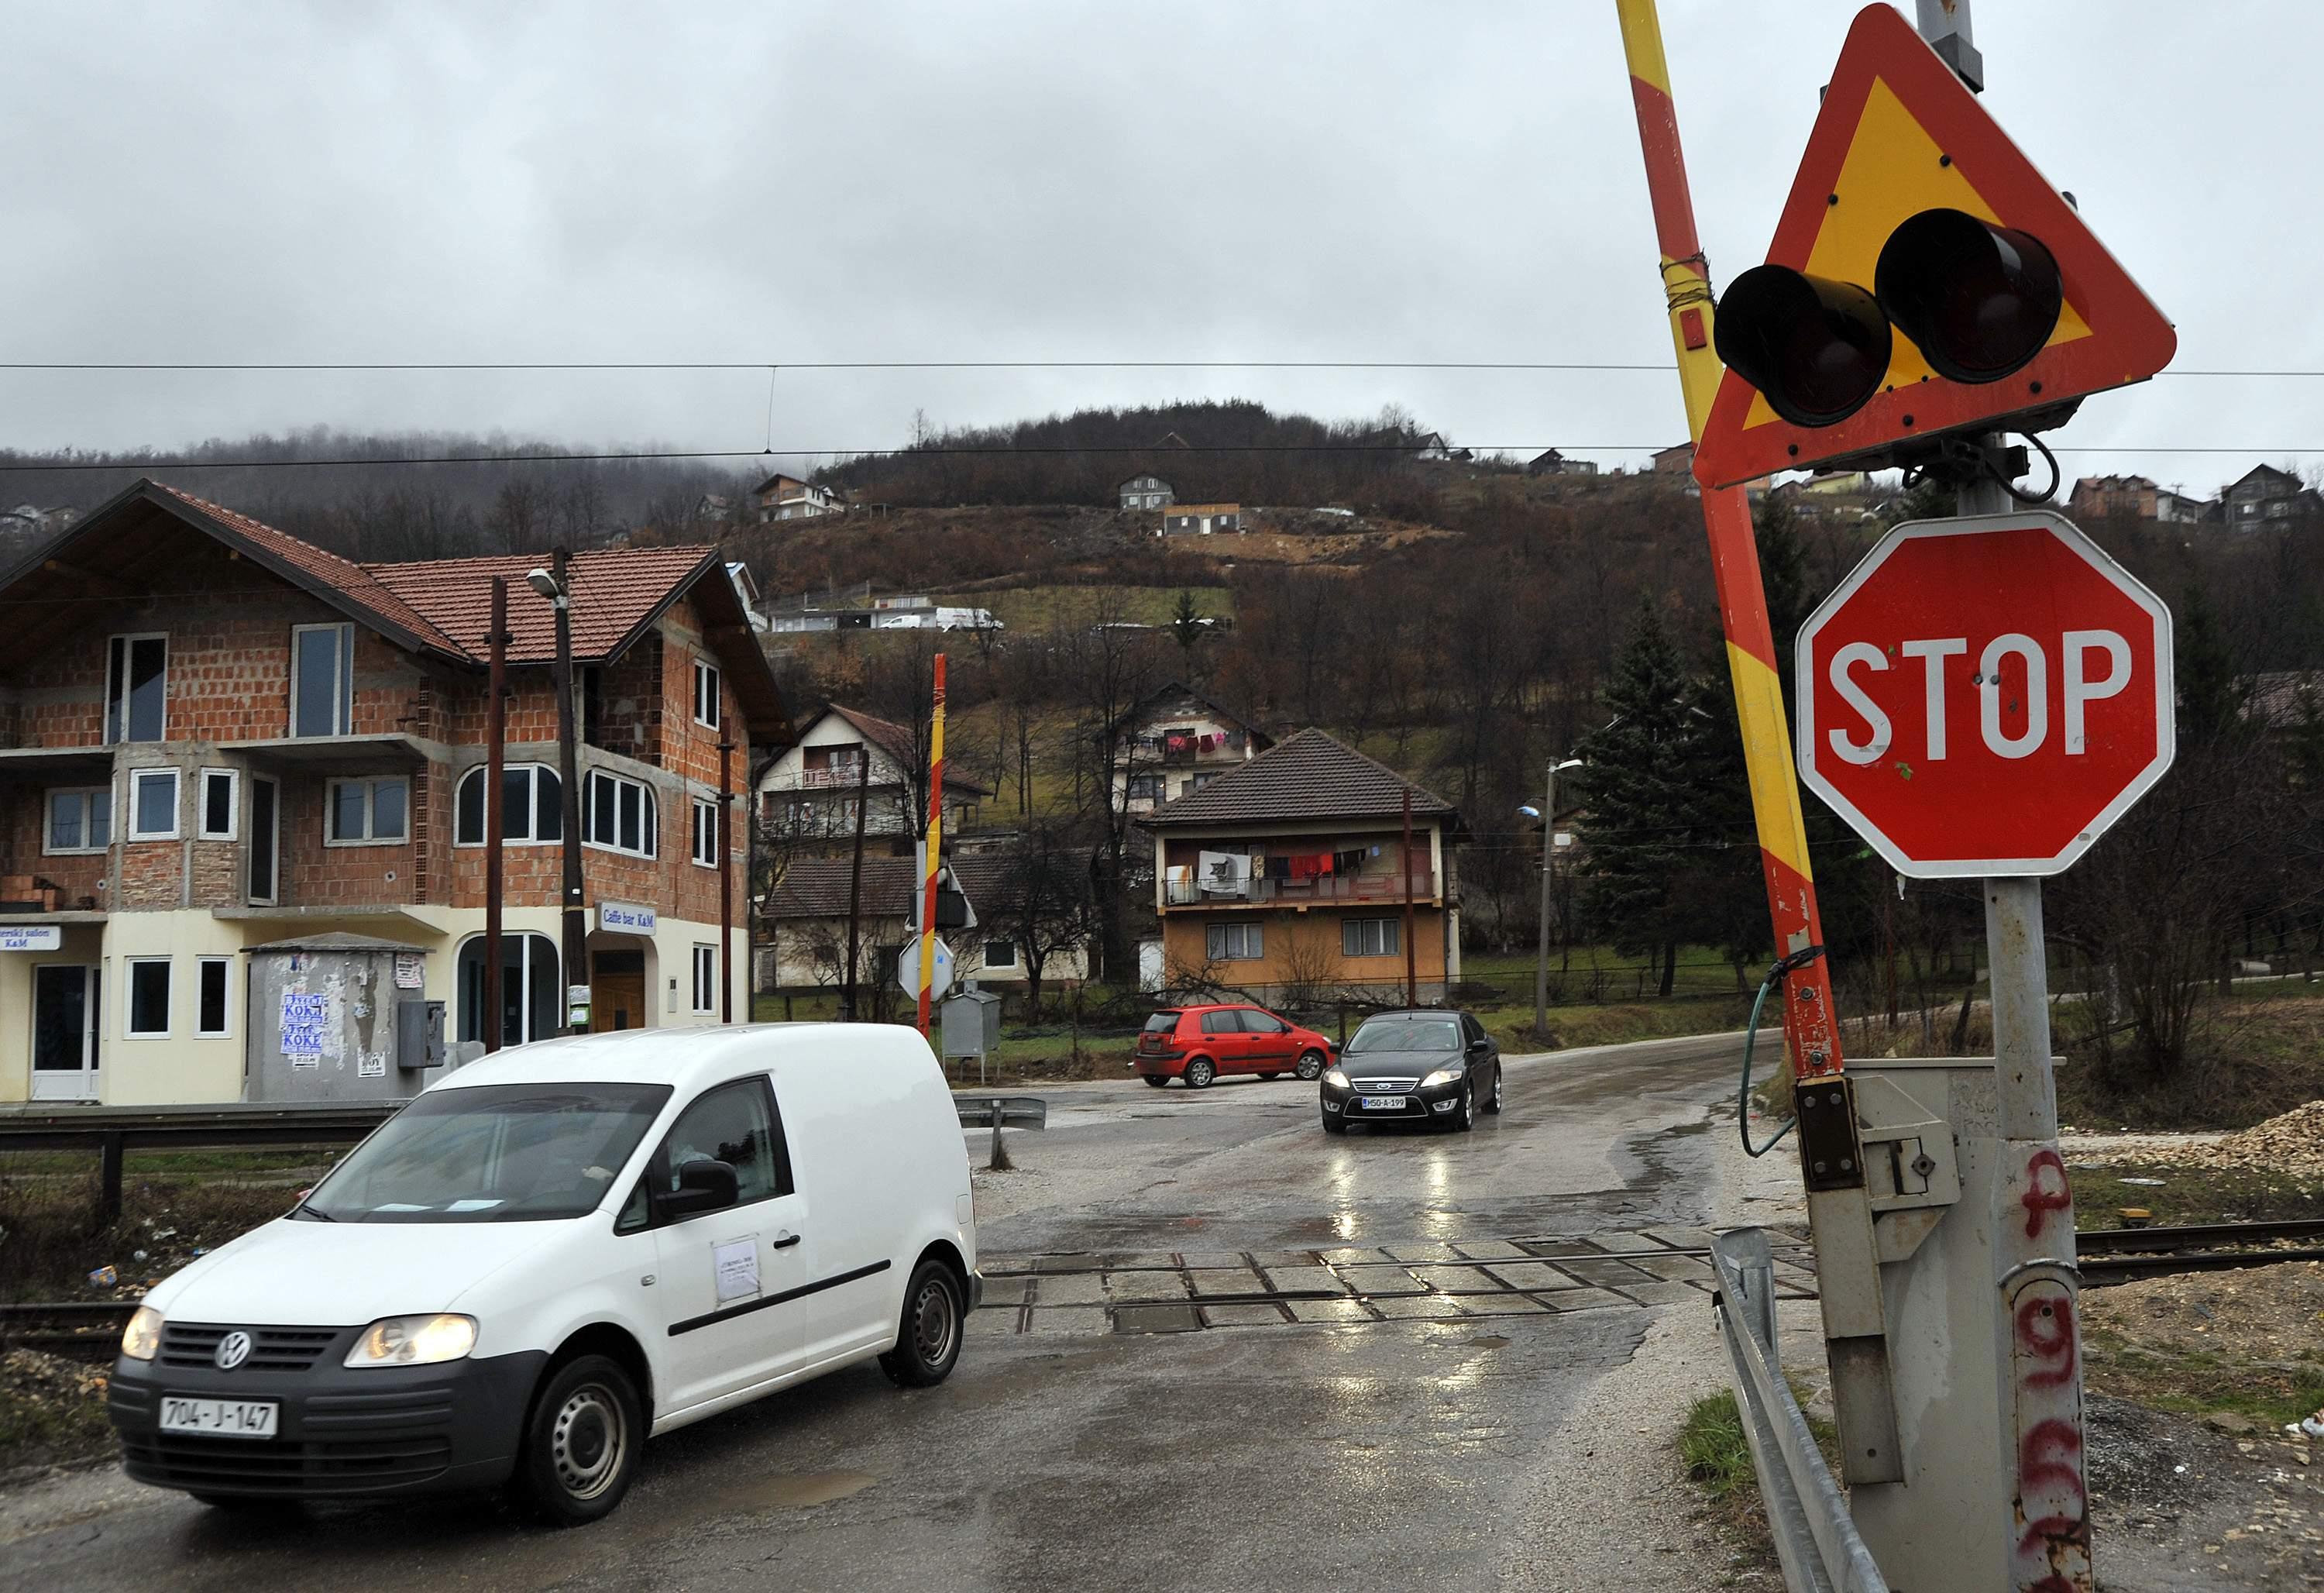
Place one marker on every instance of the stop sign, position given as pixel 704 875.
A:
pixel 1985 696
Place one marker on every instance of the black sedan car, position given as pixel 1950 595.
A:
pixel 1438 1067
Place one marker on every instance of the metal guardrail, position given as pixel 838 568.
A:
pixel 1815 1537
pixel 110 1131
pixel 997 1112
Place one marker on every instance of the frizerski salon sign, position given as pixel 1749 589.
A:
pixel 46 937
pixel 624 920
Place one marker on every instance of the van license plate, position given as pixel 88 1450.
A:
pixel 219 1418
pixel 1383 1102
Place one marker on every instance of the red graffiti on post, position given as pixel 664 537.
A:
pixel 2045 1331
pixel 2041 1200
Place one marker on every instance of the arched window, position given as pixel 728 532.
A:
pixel 528 988
pixel 531 805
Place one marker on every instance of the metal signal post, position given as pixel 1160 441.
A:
pixel 1809 1023
pixel 936 846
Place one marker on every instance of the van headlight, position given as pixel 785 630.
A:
pixel 414 1342
pixel 141 1339
pixel 1452 1075
pixel 1335 1078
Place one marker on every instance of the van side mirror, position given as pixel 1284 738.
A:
pixel 702 1185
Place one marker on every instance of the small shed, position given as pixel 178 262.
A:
pixel 338 1017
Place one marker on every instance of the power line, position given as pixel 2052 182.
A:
pixel 1144 450
pixel 924 364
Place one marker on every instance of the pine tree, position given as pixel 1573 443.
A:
pixel 1721 877
pixel 1635 786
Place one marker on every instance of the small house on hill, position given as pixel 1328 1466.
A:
pixel 787 498
pixel 809 793
pixel 1145 492
pixel 1178 741
pixel 1202 520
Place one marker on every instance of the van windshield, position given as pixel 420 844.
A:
pixel 497 1153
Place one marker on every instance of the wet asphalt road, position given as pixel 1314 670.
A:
pixel 1062 1454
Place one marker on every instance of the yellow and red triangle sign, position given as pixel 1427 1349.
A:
pixel 1899 134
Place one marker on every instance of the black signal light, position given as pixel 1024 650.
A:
pixel 1977 300
pixel 1816 350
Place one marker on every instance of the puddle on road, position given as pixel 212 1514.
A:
pixel 794 1490
pixel 1490 1341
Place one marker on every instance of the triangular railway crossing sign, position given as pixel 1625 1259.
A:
pixel 1899 134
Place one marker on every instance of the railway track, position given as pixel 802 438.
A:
pixel 90 1330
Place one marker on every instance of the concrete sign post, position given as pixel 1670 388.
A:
pixel 1984 697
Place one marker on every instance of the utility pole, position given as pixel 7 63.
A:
pixel 1548 856
pixel 555 584
pixel 1411 953
pixel 725 877
pixel 495 735
pixel 855 876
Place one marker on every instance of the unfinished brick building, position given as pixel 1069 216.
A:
pixel 214 737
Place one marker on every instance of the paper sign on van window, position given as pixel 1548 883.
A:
pixel 736 1264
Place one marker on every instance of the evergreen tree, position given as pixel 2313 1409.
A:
pixel 2203 662
pixel 1635 786
pixel 1719 873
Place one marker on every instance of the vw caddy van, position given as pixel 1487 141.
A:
pixel 557 1252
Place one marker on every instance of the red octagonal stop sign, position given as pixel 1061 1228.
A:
pixel 1984 696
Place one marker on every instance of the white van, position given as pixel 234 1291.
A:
pixel 557 1252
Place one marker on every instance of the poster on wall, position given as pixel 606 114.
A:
pixel 304 1013
pixel 408 967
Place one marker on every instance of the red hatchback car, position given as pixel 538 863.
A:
pixel 1199 1044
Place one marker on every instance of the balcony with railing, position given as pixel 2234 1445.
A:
pixel 1324 890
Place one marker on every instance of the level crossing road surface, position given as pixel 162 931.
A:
pixel 1221 1349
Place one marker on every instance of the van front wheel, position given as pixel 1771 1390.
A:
pixel 928 1339
pixel 581 1443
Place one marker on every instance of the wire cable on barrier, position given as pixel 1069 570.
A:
pixel 1783 966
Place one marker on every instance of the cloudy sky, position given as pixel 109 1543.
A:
pixel 873 181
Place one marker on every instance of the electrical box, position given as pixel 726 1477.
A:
pixel 972 1023
pixel 420 1034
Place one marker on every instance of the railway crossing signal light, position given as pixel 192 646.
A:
pixel 1924 280
pixel 1979 302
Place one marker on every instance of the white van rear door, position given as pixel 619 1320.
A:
pixel 732 1283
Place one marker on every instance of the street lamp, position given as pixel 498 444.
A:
pixel 556 586
pixel 1548 855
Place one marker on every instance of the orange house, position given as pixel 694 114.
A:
pixel 1287 879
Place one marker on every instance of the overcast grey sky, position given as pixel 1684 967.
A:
pixel 880 181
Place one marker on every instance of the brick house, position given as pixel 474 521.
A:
pixel 214 736
pixel 1285 877
pixel 1179 741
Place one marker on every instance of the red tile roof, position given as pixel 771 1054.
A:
pixel 615 592
pixel 1306 776
pixel 444 605
pixel 896 741
pixel 350 578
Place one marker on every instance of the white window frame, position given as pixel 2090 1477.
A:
pixel 129 966
pixel 705 978
pixel 1009 947
pixel 649 814
pixel 343 683
pixel 706 833
pixel 177 801
pixel 128 653
pixel 705 694
pixel 369 783
pixel 534 773
pixel 48 802
pixel 1252 937
pixel 202 965
pixel 202 830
